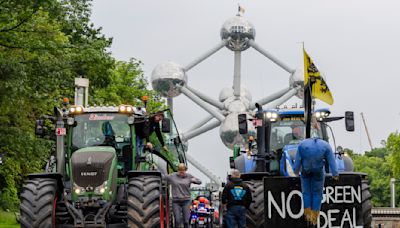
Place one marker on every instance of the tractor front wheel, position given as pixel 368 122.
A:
pixel 38 203
pixel 366 203
pixel 144 201
pixel 255 213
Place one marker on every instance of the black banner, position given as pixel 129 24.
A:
pixel 341 204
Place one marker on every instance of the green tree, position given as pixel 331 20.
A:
pixel 393 146
pixel 44 45
pixel 379 174
pixel 377 152
pixel 127 86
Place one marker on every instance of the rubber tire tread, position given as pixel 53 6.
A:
pixel 37 202
pixel 144 201
pixel 366 203
pixel 255 213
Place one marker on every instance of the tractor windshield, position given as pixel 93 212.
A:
pixel 291 131
pixel 100 129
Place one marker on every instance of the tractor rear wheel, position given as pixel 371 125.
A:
pixel 144 201
pixel 38 202
pixel 366 203
pixel 255 213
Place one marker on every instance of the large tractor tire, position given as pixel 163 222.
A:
pixel 38 200
pixel 144 201
pixel 366 203
pixel 255 214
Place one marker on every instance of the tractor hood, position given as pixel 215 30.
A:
pixel 91 165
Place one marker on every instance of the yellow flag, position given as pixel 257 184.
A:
pixel 320 89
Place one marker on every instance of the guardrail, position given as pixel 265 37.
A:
pixel 385 217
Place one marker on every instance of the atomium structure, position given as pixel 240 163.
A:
pixel 238 35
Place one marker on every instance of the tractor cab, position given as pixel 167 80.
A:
pixel 279 133
pixel 286 133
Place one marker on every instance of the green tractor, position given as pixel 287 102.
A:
pixel 97 176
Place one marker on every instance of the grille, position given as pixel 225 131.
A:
pixel 91 169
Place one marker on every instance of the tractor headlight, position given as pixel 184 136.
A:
pixel 122 108
pixel 101 189
pixel 271 116
pixel 322 114
pixel 79 190
pixel 76 110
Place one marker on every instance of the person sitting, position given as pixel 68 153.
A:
pixel 109 134
pixel 296 135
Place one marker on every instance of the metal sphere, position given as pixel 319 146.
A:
pixel 229 131
pixel 297 79
pixel 225 94
pixel 236 106
pixel 238 29
pixel 245 93
pixel 166 77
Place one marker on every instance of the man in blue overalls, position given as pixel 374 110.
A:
pixel 310 160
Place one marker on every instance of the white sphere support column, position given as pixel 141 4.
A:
pixel 284 98
pixel 271 97
pixel 271 57
pixel 202 104
pixel 198 131
pixel 236 74
pixel 206 98
pixel 207 54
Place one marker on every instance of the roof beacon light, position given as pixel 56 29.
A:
pixel 76 110
pixel 125 109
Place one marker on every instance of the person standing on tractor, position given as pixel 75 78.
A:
pixel 180 182
pixel 310 161
pixel 236 199
pixel 145 128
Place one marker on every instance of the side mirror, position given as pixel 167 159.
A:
pixel 349 120
pixel 242 119
pixel 166 125
pixel 231 163
pixel 39 127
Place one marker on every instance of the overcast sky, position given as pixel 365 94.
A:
pixel 355 43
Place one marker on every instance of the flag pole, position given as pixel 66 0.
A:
pixel 308 101
pixel 308 105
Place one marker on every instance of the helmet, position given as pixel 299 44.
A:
pixel 195 202
pixel 202 199
pixel 206 201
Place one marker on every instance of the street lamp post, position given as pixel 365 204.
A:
pixel 392 193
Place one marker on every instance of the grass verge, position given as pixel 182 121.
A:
pixel 7 220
